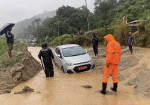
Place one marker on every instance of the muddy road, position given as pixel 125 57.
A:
pixel 66 89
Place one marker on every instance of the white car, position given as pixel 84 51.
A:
pixel 71 58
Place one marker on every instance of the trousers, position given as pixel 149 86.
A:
pixel 49 70
pixel 113 68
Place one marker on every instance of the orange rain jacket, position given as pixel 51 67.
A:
pixel 113 51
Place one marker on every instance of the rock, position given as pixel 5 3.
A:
pixel 136 86
pixel 26 89
pixel 5 91
pixel 87 86
pixel 38 92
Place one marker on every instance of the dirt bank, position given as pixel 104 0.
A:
pixel 13 74
pixel 135 71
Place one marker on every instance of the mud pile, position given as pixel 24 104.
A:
pixel 12 75
pixel 134 70
pixel 136 75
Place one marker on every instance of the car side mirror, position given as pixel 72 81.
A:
pixel 58 55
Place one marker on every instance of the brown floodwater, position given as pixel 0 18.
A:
pixel 66 89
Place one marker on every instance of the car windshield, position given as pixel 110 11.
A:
pixel 73 51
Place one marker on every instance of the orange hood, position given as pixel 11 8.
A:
pixel 109 37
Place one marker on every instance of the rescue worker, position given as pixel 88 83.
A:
pixel 47 55
pixel 95 41
pixel 113 55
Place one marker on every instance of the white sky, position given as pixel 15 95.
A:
pixel 17 10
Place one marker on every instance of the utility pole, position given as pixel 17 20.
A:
pixel 87 15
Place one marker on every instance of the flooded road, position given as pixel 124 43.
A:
pixel 66 89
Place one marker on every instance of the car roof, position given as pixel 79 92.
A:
pixel 67 46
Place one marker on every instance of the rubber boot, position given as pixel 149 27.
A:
pixel 104 86
pixel 115 85
pixel 51 73
pixel 46 74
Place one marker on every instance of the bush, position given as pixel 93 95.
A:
pixel 77 39
pixel 147 28
pixel 121 33
pixel 61 40
pixel 68 41
pixel 143 41
pixel 3 46
pixel 50 40
pixel 103 32
pixel 85 41
pixel 71 39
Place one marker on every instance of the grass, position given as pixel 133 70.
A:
pixel 5 61
pixel 4 58
pixel 70 39
pixel 3 46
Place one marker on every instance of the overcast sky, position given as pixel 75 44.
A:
pixel 17 10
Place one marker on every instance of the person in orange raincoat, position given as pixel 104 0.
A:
pixel 113 55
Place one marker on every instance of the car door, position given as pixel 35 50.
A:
pixel 58 56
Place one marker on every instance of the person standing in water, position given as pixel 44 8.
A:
pixel 113 55
pixel 47 55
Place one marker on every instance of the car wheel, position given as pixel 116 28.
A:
pixel 62 68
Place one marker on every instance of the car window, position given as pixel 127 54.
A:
pixel 57 51
pixel 73 51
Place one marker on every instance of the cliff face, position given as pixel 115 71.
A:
pixel 24 68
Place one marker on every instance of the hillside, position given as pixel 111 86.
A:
pixel 132 9
pixel 106 19
pixel 20 26
pixel 108 11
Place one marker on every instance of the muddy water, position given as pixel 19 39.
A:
pixel 65 89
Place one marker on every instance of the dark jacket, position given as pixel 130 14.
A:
pixel 10 37
pixel 95 42
pixel 47 55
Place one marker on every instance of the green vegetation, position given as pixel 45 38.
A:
pixel 21 27
pixel 6 62
pixel 4 59
pixel 121 33
pixel 110 11
pixel 3 46
pixel 70 20
pixel 143 40
pixel 70 39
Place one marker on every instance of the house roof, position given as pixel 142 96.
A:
pixel 135 22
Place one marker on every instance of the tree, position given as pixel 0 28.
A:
pixel 121 1
pixel 102 7
pixel 36 21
